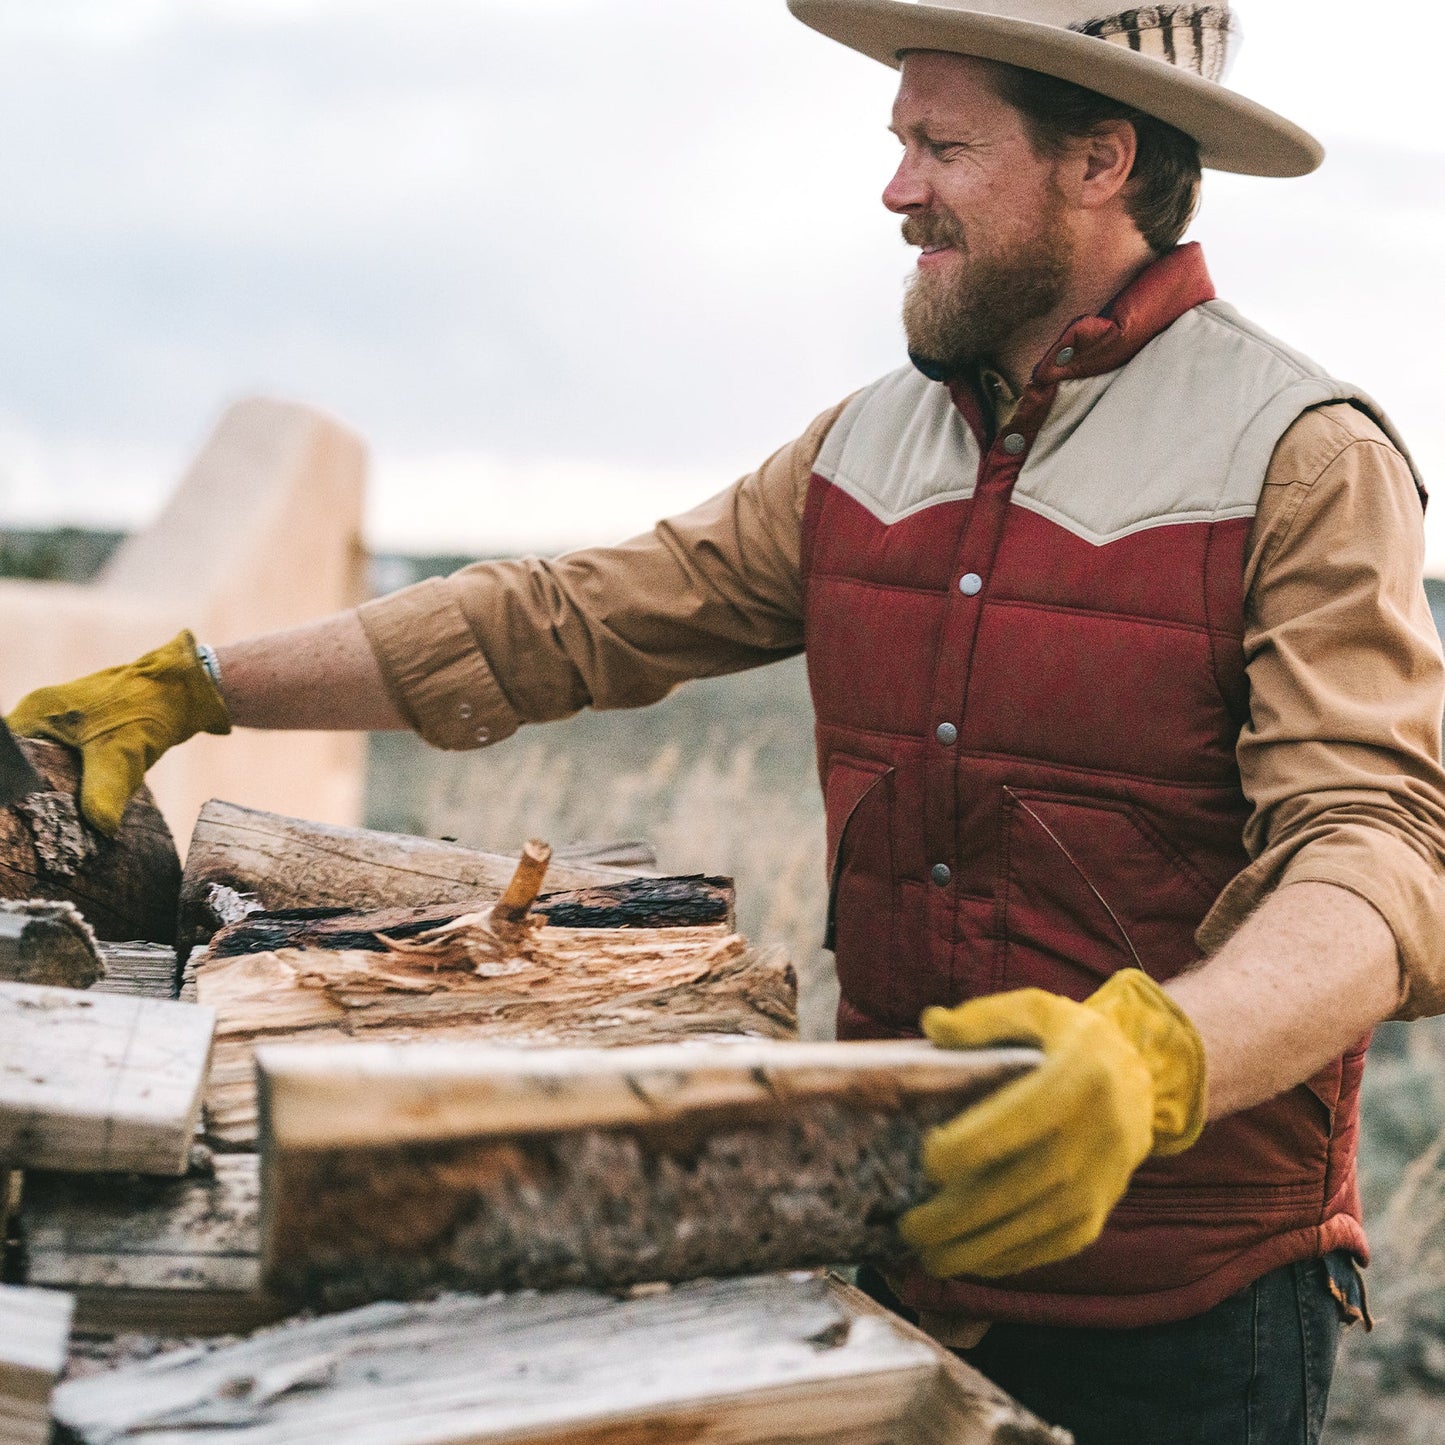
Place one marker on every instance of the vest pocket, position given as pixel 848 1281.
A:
pixel 858 799
pixel 1088 886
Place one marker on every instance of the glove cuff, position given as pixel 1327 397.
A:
pixel 1171 1048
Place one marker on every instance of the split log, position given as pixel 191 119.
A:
pixel 126 887
pixel 34 1341
pixel 639 903
pixel 241 860
pixel 97 1082
pixel 389 1171
pixel 546 986
pixel 730 1362
pixel 47 943
pixel 177 1257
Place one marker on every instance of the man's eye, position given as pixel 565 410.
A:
pixel 944 150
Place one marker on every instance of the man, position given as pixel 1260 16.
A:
pixel 1124 678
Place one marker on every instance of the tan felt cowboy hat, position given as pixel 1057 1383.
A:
pixel 1166 60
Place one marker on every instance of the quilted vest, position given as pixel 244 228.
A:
pixel 1026 661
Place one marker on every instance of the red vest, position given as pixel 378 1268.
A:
pixel 1026 662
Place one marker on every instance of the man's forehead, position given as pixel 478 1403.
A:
pixel 937 83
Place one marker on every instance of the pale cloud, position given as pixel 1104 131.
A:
pixel 617 250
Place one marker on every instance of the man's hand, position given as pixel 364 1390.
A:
pixel 1030 1175
pixel 122 719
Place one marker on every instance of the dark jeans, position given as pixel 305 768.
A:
pixel 1254 1370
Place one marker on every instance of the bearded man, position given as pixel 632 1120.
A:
pixel 1128 706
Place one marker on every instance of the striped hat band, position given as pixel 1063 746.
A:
pixel 1198 38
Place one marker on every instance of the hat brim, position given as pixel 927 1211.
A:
pixel 1234 133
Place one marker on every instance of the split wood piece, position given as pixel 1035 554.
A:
pixel 97 1082
pixel 34 1343
pixel 512 908
pixel 239 857
pixel 638 903
pixel 47 943
pixel 546 986
pixel 126 887
pixel 388 1171
pixel 144 970
pixel 730 1362
pixel 152 1256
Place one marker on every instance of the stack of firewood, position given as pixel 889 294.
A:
pixel 348 1071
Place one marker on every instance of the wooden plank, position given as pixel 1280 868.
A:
pixel 34 1340
pixel 463 981
pixel 47 943
pixel 727 1362
pixel 126 887
pixel 239 856
pixel 153 1256
pixel 391 1170
pixel 98 1082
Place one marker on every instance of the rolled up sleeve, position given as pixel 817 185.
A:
pixel 468 658
pixel 1340 756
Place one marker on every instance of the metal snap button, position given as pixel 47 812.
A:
pixel 947 734
pixel 1014 444
pixel 942 874
pixel 970 584
pixel 1064 357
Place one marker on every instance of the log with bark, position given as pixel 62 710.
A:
pixel 638 903
pixel 97 1082
pixel 388 1170
pixel 242 861
pixel 126 887
pixel 732 1362
pixel 34 1338
pixel 47 943
pixel 175 1257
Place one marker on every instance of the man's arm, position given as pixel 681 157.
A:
pixel 1304 980
pixel 323 676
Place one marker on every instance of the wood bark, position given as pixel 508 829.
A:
pixel 539 985
pixel 729 1362
pixel 638 903
pixel 47 943
pixel 34 1338
pixel 390 1171
pixel 242 860
pixel 98 1082
pixel 177 1257
pixel 126 887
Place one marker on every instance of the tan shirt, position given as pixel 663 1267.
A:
pixel 1340 758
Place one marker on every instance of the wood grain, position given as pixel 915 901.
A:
pixel 277 863
pixel 541 985
pixel 727 1363
pixel 389 1171
pixel 152 1256
pixel 126 887
pixel 99 1082
pixel 34 1337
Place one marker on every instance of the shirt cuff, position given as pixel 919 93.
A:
pixel 1405 889
pixel 434 670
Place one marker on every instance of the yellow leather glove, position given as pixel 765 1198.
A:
pixel 122 719
pixel 1029 1176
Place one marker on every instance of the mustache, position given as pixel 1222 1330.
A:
pixel 932 228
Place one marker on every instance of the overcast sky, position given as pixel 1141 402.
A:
pixel 571 264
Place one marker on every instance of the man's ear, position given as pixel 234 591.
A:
pixel 1102 163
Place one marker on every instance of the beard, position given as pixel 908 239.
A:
pixel 962 315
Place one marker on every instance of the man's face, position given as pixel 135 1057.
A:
pixel 997 251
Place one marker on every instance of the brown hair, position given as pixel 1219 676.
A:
pixel 1164 184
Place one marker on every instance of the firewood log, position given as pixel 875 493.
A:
pixel 241 861
pixel 125 887
pixel 392 1170
pixel 34 1335
pixel 734 1362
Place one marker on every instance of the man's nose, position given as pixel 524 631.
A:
pixel 907 192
